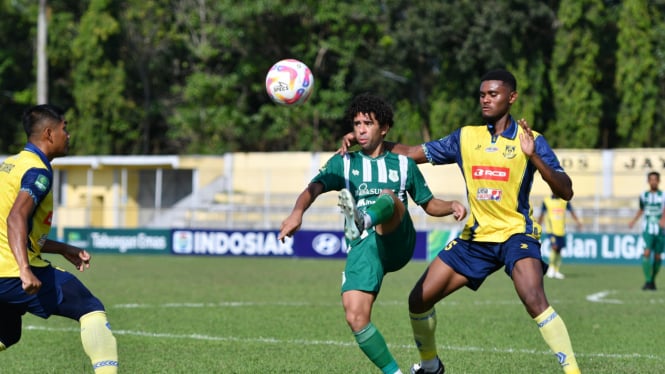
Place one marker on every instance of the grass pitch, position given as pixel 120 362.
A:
pixel 262 315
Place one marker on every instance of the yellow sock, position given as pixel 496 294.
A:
pixel 2 347
pixel 424 325
pixel 554 332
pixel 99 343
pixel 555 260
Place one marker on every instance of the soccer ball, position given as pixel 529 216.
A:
pixel 289 82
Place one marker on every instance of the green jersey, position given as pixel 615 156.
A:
pixel 652 204
pixel 366 177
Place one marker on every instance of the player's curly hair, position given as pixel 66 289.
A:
pixel 368 103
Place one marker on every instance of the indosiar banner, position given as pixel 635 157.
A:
pixel 304 243
pixel 119 240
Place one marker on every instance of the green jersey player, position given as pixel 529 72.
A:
pixel 380 235
pixel 652 203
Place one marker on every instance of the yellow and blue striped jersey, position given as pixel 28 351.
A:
pixel 28 171
pixel 555 209
pixel 498 177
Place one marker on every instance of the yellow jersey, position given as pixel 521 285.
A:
pixel 555 209
pixel 498 177
pixel 28 171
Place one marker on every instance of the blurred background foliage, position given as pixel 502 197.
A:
pixel 187 76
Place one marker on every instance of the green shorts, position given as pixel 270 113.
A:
pixel 654 242
pixel 370 258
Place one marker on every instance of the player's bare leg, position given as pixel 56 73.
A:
pixel 438 281
pixel 528 280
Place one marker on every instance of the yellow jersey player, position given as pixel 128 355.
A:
pixel 28 283
pixel 553 211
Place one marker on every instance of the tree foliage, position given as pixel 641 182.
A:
pixel 187 76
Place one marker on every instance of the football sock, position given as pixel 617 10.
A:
pixel 424 326
pixel 657 261
pixel 647 268
pixel 373 345
pixel 381 211
pixel 99 343
pixel 554 332
pixel 555 260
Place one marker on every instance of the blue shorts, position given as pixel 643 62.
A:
pixel 558 241
pixel 61 294
pixel 477 260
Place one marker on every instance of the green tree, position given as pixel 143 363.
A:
pixel 574 75
pixel 636 76
pixel 104 118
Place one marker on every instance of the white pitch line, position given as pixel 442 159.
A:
pixel 242 304
pixel 599 297
pixel 268 340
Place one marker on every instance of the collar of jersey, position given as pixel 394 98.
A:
pixel 511 131
pixel 382 155
pixel 33 148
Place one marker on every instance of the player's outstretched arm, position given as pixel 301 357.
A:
pixel 441 208
pixel 292 223
pixel 79 257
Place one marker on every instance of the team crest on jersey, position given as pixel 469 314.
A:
pixel 488 194
pixel 355 172
pixel 393 176
pixel 49 218
pixel 509 152
pixel 42 183
pixel 6 167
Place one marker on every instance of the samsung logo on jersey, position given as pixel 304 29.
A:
pixel 364 191
pixel 490 173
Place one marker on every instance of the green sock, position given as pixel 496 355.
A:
pixel 371 342
pixel 381 210
pixel 647 268
pixel 656 266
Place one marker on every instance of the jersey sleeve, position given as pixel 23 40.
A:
pixel 36 182
pixel 445 150
pixel 546 153
pixel 331 175
pixel 418 189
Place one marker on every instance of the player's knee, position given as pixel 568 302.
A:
pixel 356 319
pixel 416 302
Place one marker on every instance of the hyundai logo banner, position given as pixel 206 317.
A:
pixel 304 243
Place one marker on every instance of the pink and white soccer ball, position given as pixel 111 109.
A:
pixel 289 82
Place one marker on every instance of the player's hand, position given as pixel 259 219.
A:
pixel 78 257
pixel 289 226
pixel 527 138
pixel 29 282
pixel 348 141
pixel 459 210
